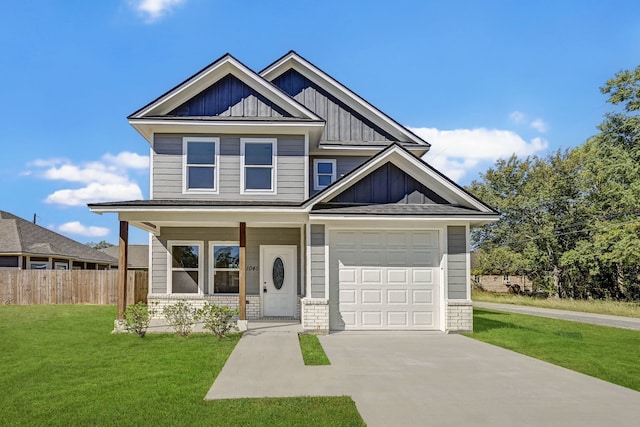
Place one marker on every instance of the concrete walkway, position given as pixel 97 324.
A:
pixel 418 379
pixel 575 316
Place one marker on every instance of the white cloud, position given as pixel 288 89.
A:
pixel 94 193
pixel 153 10
pixel 103 181
pixel 519 118
pixel 75 227
pixel 458 152
pixel 539 125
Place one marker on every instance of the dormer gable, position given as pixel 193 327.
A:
pixel 302 80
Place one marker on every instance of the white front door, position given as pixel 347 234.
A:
pixel 278 273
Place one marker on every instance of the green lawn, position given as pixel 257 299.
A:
pixel 312 352
pixel 610 354
pixel 616 308
pixel 60 365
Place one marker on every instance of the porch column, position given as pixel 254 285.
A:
pixel 243 265
pixel 123 262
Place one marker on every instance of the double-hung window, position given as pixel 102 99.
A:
pixel 258 172
pixel 324 173
pixel 185 267
pixel 200 164
pixel 226 267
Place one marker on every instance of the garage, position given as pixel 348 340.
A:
pixel 386 280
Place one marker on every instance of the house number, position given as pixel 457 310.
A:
pixel 252 268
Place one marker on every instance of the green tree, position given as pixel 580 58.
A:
pixel 102 244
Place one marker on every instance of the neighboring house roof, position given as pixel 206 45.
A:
pixel 138 255
pixel 19 236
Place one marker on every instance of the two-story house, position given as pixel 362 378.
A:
pixel 288 195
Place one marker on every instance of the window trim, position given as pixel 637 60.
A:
pixel 212 269
pixel 216 167
pixel 170 269
pixel 243 166
pixel 316 174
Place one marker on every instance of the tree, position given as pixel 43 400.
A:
pixel 102 244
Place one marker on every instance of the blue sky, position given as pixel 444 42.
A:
pixel 480 80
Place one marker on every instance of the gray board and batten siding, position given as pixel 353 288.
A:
pixel 344 165
pixel 342 122
pixel 255 238
pixel 457 274
pixel 318 261
pixel 229 97
pixel 168 169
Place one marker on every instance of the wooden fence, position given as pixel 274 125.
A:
pixel 21 287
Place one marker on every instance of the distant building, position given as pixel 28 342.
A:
pixel 138 256
pixel 28 246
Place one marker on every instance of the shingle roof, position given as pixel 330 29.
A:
pixel 138 255
pixel 396 209
pixel 18 236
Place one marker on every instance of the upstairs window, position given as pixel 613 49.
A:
pixel 200 164
pixel 324 173
pixel 258 165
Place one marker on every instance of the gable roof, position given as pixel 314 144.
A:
pixel 293 60
pixel 19 236
pixel 451 193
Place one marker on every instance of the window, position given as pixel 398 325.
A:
pixel 184 267
pixel 38 265
pixel 200 164
pixel 226 267
pixel 61 265
pixel 324 173
pixel 258 165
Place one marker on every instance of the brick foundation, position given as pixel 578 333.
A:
pixel 459 316
pixel 315 315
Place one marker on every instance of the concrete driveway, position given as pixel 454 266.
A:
pixel 425 379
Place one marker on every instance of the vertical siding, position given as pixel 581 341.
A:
pixel 344 165
pixel 229 97
pixel 255 238
pixel 167 169
pixel 342 122
pixel 457 273
pixel 317 261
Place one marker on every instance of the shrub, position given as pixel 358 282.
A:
pixel 181 316
pixel 137 317
pixel 217 319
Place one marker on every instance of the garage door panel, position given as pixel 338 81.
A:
pixel 386 280
pixel 398 319
pixel 371 319
pixel 371 296
pixel 397 296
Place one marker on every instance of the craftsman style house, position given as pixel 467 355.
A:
pixel 286 194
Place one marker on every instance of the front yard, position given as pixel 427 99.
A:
pixel 610 354
pixel 60 365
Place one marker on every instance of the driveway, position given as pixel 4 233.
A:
pixel 423 379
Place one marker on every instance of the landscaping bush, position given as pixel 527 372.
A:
pixel 218 319
pixel 137 317
pixel 181 316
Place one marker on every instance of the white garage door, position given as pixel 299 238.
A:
pixel 385 280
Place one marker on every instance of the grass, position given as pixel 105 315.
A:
pixel 610 354
pixel 312 351
pixel 616 308
pixel 60 365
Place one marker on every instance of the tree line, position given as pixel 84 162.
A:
pixel 571 220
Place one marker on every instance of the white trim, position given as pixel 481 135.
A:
pixel 150 265
pixel 216 166
pixel 444 275
pixel 211 75
pixel 317 174
pixel 212 269
pixel 468 260
pixel 306 165
pixel 151 160
pixel 322 79
pixel 274 160
pixel 302 274
pixel 200 269
pixel 326 262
